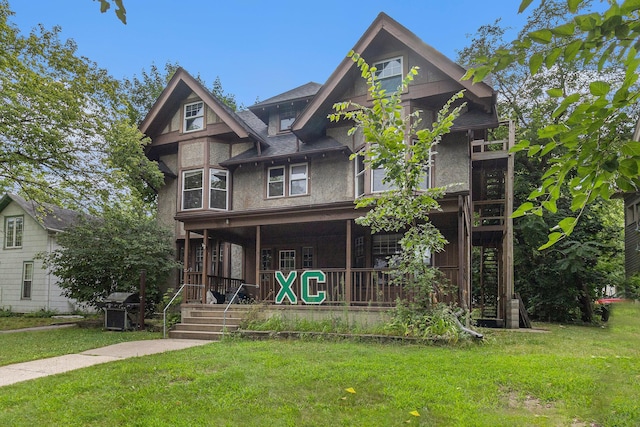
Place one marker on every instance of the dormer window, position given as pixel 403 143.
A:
pixel 389 73
pixel 194 116
pixel 287 116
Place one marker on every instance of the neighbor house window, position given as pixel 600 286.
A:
pixel 192 188
pixel 307 257
pixel 359 181
pixel 389 73
pixel 194 116
pixel 27 279
pixel 218 197
pixel 298 179
pixel 275 185
pixel 13 229
pixel 287 116
pixel 287 260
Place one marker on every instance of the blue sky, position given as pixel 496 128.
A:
pixel 258 48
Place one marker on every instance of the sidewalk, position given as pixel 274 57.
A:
pixel 19 372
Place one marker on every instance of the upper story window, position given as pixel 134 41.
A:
pixel 193 116
pixel 359 184
pixel 287 115
pixel 298 179
pixel 192 189
pixel 275 181
pixel 218 197
pixel 293 181
pixel 13 230
pixel 389 73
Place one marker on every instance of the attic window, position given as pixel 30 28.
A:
pixel 389 73
pixel 193 116
pixel 287 117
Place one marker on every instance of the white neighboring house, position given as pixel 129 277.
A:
pixel 25 286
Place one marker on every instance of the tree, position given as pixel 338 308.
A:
pixel 98 256
pixel 581 141
pixel 64 134
pixel 406 207
pixel 552 287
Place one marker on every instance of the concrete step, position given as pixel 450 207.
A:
pixel 203 328
pixel 195 335
pixel 205 320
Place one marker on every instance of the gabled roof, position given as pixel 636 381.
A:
pixel 299 96
pixel 301 92
pixel 51 218
pixel 181 85
pixel 383 25
pixel 281 146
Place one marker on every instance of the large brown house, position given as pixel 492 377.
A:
pixel 271 189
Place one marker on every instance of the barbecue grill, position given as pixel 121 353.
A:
pixel 121 310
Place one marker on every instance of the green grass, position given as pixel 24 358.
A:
pixel 19 322
pixel 25 346
pixel 570 376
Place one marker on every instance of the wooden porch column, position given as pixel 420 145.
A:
pixel 258 260
pixel 185 276
pixel 461 251
pixel 511 315
pixel 205 264
pixel 347 278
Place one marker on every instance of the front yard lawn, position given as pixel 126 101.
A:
pixel 571 376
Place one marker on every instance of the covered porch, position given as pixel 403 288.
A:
pixel 226 249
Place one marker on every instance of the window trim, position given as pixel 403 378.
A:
pixel 359 160
pixel 379 70
pixel 24 295
pixel 306 179
pixel 17 233
pixel 212 171
pixel 201 188
pixel 284 180
pixel 280 259
pixel 291 112
pixel 185 118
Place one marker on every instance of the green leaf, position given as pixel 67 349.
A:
pixel 578 201
pixel 573 5
pixel 567 224
pixel 564 30
pixel 553 239
pixel 628 167
pixel 535 62
pixel 555 92
pixel 599 88
pixel 552 57
pixel 572 50
pixel 522 210
pixel 543 36
pixel 550 205
pixel 524 5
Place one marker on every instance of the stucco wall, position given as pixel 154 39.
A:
pixel 45 293
pixel 330 180
pixel 451 163
pixel 168 194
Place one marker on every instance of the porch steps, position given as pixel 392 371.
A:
pixel 206 321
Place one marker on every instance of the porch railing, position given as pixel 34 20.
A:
pixel 224 285
pixel 369 287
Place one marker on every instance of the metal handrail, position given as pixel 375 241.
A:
pixel 224 316
pixel 164 312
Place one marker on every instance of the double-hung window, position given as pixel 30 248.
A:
pixel 389 73
pixel 293 181
pixel 298 178
pixel 218 197
pixel 193 116
pixel 287 260
pixel 27 279
pixel 192 189
pixel 13 230
pixel 275 185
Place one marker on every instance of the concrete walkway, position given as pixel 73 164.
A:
pixel 18 372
